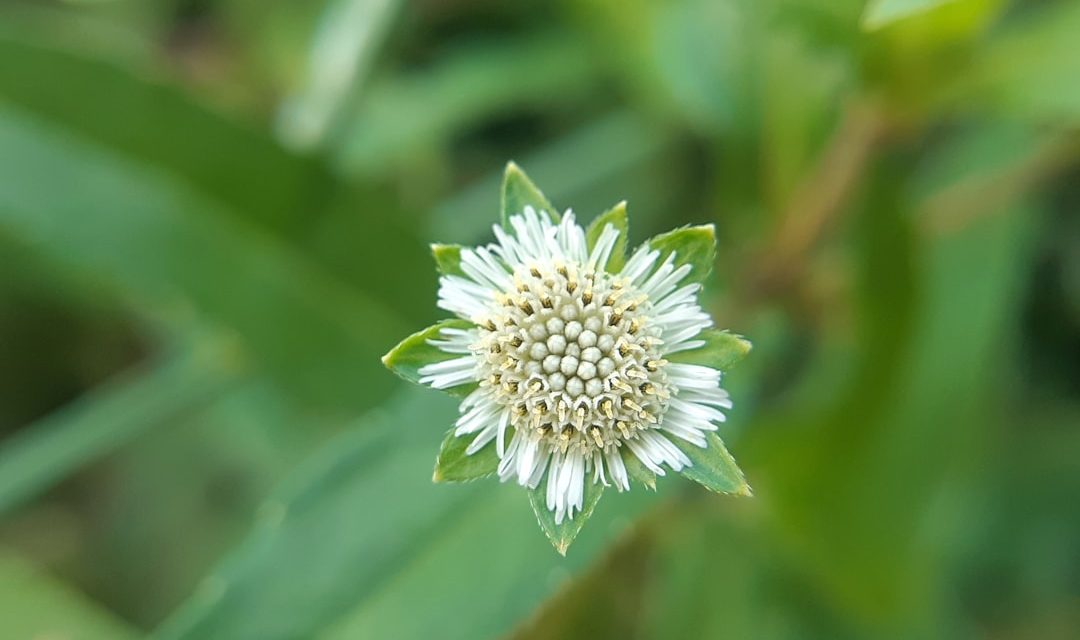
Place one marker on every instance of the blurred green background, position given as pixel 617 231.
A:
pixel 214 217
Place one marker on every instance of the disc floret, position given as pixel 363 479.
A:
pixel 570 351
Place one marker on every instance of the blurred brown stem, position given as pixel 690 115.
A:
pixel 817 201
pixel 956 206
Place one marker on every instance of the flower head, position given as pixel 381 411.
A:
pixel 581 369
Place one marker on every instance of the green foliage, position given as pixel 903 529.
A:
pixel 455 465
pixel 563 533
pixel 722 350
pixel 372 565
pixel 880 13
pixel 695 246
pixel 53 448
pixel 713 467
pixel 519 192
pixel 214 220
pixel 34 605
pixel 412 353
pixel 616 217
pixel 447 259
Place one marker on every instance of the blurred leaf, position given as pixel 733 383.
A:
pixel 489 566
pixel 156 123
pixel 294 197
pixel 345 45
pixel 447 259
pixel 580 168
pixel 722 350
pixel 1030 68
pixel 691 60
pixel 142 232
pixel 395 123
pixel 562 534
pixel 606 602
pixel 412 353
pixel 37 606
pixel 715 575
pixel 695 246
pixel 360 535
pixel 881 13
pixel 455 465
pixel 48 451
pixel 616 217
pixel 804 91
pixel 713 467
pixel 519 192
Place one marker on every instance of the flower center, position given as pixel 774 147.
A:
pixel 571 352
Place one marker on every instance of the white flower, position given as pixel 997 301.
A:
pixel 572 362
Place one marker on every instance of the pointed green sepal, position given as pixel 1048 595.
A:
pixel 414 352
pixel 562 534
pixel 454 464
pixel 695 246
pixel 722 350
pixel 637 471
pixel 713 467
pixel 615 216
pixel 447 259
pixel 518 192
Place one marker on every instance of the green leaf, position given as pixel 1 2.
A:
pixel 637 470
pixel 713 467
pixel 1029 70
pixel 393 126
pixel 616 216
pixel 454 465
pixel 414 352
pixel 38 606
pixel 695 246
pixel 519 192
pixel 135 229
pixel 722 350
pixel 881 13
pixel 38 457
pixel 373 536
pixel 160 125
pixel 447 259
pixel 561 535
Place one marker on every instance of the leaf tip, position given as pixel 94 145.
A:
pixel 561 546
pixel 744 490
